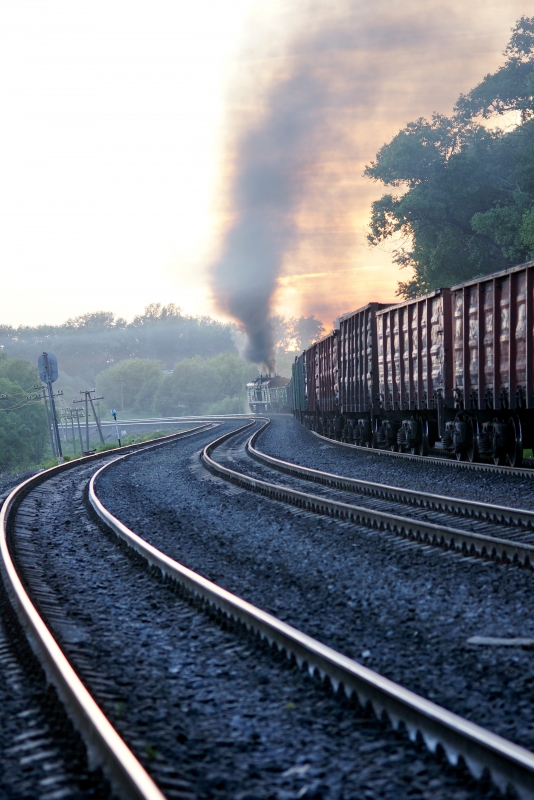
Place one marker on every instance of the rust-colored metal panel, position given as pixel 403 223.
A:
pixel 414 352
pixel 327 373
pixel 358 360
pixel 496 368
pixel 311 377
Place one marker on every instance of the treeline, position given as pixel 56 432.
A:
pixel 23 429
pixel 88 344
pixel 195 386
pixel 137 387
pixel 464 199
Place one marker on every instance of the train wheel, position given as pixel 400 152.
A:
pixel 515 443
pixel 424 447
pixel 376 426
pixel 472 442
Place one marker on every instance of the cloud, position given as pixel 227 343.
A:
pixel 308 115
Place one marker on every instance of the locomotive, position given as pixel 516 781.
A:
pixel 451 371
pixel 269 394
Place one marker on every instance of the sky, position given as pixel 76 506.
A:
pixel 128 126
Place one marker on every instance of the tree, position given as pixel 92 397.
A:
pixel 198 384
pixel 511 88
pixel 88 344
pixel 464 193
pixel 296 333
pixel 305 330
pixel 23 429
pixel 131 384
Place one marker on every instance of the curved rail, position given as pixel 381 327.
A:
pixel 483 545
pixel 478 466
pixel 436 502
pixel 105 747
pixel 508 764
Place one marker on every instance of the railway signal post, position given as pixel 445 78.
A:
pixel 48 373
pixel 114 415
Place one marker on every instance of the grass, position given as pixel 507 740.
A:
pixel 101 448
pixel 133 438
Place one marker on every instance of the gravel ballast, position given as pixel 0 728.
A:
pixel 302 447
pixel 210 711
pixel 403 610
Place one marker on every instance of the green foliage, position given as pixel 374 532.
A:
pixel 196 384
pixel 296 333
pixel 465 199
pixel 88 344
pixel 511 88
pixel 527 231
pixel 135 380
pixel 48 464
pixel 23 431
pixel 228 405
pixel 133 438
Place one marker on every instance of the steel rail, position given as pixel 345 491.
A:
pixel 436 502
pixel 408 527
pixel 170 420
pixel 478 466
pixel 508 763
pixel 104 745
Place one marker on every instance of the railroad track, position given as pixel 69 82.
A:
pixel 41 741
pixel 477 466
pixel 436 725
pixel 480 529
pixel 480 749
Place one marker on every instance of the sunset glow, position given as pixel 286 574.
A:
pixel 120 132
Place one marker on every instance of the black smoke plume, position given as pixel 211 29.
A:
pixel 309 113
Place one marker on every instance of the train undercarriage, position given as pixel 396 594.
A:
pixel 499 436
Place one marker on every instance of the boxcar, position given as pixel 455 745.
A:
pixel 299 399
pixel 414 372
pixel 322 386
pixel 452 371
pixel 493 354
pixel 358 372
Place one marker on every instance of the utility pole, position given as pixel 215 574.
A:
pixel 48 373
pixel 79 428
pixel 97 420
pixel 88 399
pixel 52 445
pixel 71 419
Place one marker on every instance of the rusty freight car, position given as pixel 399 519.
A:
pixel 414 373
pixel 451 371
pixel 358 372
pixel 322 386
pixel 493 355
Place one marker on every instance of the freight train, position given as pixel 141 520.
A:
pixel 451 371
pixel 269 394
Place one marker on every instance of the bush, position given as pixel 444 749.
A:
pixel 23 430
pixel 198 384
